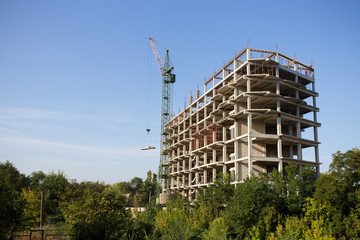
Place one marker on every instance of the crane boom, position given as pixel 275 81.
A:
pixel 157 56
pixel 167 80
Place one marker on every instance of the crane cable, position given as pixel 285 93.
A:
pixel 148 99
pixel 148 90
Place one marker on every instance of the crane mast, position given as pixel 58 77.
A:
pixel 168 79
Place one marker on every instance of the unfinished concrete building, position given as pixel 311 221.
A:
pixel 257 113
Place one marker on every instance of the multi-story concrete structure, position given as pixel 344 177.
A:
pixel 257 113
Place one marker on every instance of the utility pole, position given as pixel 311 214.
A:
pixel 41 209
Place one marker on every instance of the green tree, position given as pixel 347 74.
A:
pixel 149 189
pixel 338 190
pixel 36 179
pixel 292 187
pixel 11 210
pixel 217 230
pixel 31 213
pixel 249 204
pixel 292 229
pixel 11 203
pixel 317 221
pixel 173 223
pixel 76 190
pixel 266 224
pixel 352 221
pixel 54 186
pixel 12 178
pixel 314 224
pixel 142 226
pixel 216 197
pixel 136 185
pixel 98 216
pixel 122 187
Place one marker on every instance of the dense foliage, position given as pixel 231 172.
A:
pixel 292 204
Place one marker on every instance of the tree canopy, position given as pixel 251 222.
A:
pixel 291 204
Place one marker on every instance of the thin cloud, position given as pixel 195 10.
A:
pixel 5 129
pixel 33 114
pixel 23 114
pixel 68 148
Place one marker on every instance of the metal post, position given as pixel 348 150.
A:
pixel 41 209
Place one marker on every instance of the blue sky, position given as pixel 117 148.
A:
pixel 74 74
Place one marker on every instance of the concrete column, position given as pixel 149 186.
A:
pixel 279 141
pixel 237 173
pixel 236 105
pixel 214 156
pixel 278 87
pixel 249 123
pixel 240 177
pixel 238 149
pixel 236 142
pixel 205 158
pixel 205 139
pixel 197 178
pixel 224 133
pixel 183 180
pixel 224 169
pixel 316 133
pixel 214 174
pixel 197 142
pixel 248 58
pixel 214 137
pixel 190 134
pixel 205 176
pixel 225 157
pixel 298 134
pixel 197 114
pixel 277 74
pixel 190 179
pixel 297 90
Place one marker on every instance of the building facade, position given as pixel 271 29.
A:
pixel 257 113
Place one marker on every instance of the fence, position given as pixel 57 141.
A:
pixel 44 234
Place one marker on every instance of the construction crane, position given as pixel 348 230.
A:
pixel 168 79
